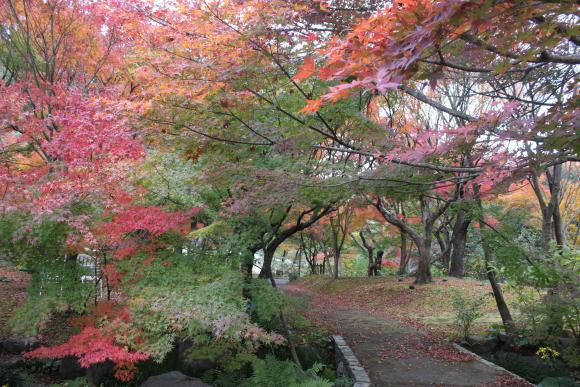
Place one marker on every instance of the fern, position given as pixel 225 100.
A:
pixel 271 372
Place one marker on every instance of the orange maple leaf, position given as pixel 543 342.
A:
pixel 306 70
pixel 313 105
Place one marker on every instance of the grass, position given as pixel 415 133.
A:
pixel 430 305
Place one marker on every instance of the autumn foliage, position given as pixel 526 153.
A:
pixel 265 123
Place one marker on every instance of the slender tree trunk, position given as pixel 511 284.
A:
pixel 378 262
pixel 458 242
pixel 336 246
pixel 546 229
pixel 247 266
pixel 444 246
pixel 549 204
pixel 555 183
pixel 559 231
pixel 266 271
pixel 370 254
pixel 423 274
pixel 289 338
pixel 299 264
pixel 502 306
pixel 403 260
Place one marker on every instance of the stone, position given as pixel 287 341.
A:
pixel 483 344
pixel 340 370
pixel 17 346
pixel 348 364
pixel 12 362
pixel 173 379
pixel 339 340
pixel 346 351
pixel 360 375
pixel 504 338
pixel 188 364
pixel 97 373
pixel 70 368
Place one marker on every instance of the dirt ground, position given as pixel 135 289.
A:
pixel 396 350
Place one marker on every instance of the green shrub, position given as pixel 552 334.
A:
pixel 271 372
pixel 356 267
pixel 466 312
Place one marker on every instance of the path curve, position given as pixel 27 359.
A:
pixel 396 354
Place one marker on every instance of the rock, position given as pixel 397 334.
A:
pixel 17 346
pixel 99 372
pixel 70 368
pixel 566 342
pixel 504 338
pixel 198 366
pixel 187 363
pixel 340 369
pixel 173 379
pixel 12 362
pixel 483 344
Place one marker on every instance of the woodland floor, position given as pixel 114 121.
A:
pixel 395 340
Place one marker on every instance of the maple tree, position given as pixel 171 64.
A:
pixel 153 135
pixel 65 139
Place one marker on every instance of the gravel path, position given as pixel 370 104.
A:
pixel 397 354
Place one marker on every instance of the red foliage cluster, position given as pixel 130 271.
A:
pixel 93 346
pixel 154 220
pixel 389 263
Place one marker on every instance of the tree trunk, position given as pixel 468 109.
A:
pixel 266 271
pixel 423 274
pixel 559 231
pixel 555 183
pixel 549 205
pixel 458 242
pixel 248 265
pixel 403 260
pixel 378 262
pixel 289 338
pixel 502 306
pixel 370 253
pixel 546 229
pixel 335 268
pixel 299 265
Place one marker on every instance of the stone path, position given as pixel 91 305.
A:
pixel 395 354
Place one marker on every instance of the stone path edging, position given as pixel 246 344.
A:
pixel 347 363
pixel 488 363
